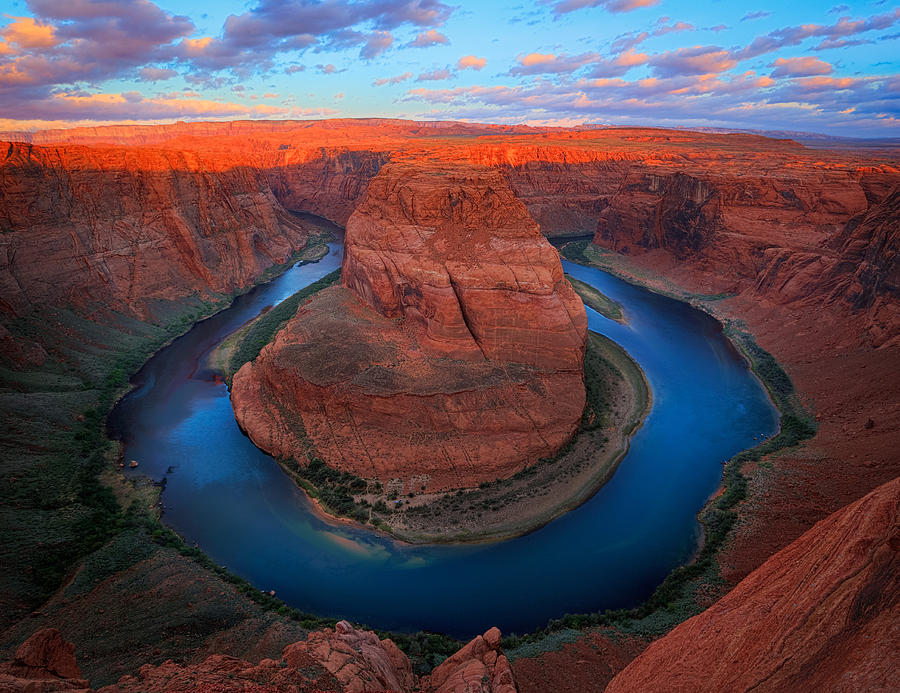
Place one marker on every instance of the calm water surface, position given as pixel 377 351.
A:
pixel 238 506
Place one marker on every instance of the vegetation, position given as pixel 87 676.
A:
pixel 264 328
pixel 676 598
pixel 597 300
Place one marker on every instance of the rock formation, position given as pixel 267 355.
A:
pixel 454 354
pixel 479 666
pixel 343 660
pixel 87 227
pixel 44 662
pixel 821 614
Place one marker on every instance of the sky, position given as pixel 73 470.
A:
pixel 796 65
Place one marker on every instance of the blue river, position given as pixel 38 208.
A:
pixel 236 504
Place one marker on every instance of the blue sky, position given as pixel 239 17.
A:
pixel 798 65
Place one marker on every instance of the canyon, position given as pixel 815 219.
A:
pixel 120 226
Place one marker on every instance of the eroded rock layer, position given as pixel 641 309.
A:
pixel 342 660
pixel 454 354
pixel 822 614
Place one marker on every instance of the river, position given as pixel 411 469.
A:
pixel 236 503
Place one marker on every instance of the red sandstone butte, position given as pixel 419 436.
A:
pixel 821 614
pixel 452 356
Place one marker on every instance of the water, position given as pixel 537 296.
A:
pixel 238 506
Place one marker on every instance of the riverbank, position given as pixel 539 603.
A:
pixel 244 344
pixel 85 539
pixel 618 399
pixel 507 508
pixel 692 587
pixel 597 301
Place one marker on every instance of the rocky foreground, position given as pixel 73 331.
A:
pixel 452 355
pixel 342 659
pixel 821 614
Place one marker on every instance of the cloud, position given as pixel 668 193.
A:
pixel 800 67
pixel 83 42
pixel 271 27
pixel 432 37
pixel 547 63
pixel 393 80
pixel 565 6
pixel 758 14
pixel 376 44
pixel 328 69
pixel 696 60
pixel 470 62
pixel 156 74
pixel 133 106
pixel 747 100
pixel 434 75
pixel 27 33
pixel 794 35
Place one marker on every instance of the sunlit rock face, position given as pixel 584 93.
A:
pixel 453 353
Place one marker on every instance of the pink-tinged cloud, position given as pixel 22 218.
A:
pixel 697 60
pixel 393 80
pixel 270 27
pixel 133 106
pixel 376 44
pixel 619 65
pixel 794 35
pixel 432 37
pixel 434 75
pixel 471 62
pixel 747 100
pixel 800 67
pixel 565 6
pixel 632 39
pixel 156 74
pixel 26 33
pixel 549 63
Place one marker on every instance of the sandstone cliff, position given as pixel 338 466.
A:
pixel 821 614
pixel 454 355
pixel 120 229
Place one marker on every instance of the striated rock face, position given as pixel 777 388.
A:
pixel 451 250
pixel 358 659
pixel 454 355
pixel 821 614
pixel 121 228
pixel 479 667
pixel 44 662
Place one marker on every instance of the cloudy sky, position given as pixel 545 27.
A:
pixel 791 65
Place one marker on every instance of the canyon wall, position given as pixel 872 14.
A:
pixel 452 355
pixel 120 228
pixel 821 614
